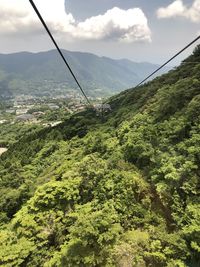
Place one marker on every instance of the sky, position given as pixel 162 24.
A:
pixel 140 30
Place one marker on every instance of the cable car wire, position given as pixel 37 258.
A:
pixel 58 49
pixel 177 54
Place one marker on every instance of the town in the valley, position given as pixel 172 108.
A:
pixel 45 111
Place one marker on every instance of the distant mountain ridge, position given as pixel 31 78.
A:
pixel 98 75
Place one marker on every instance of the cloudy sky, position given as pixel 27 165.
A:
pixel 141 30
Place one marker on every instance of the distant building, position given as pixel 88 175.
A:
pixel 53 106
pixel 21 111
pixel 25 118
pixel 38 113
pixel 10 111
pixel 80 108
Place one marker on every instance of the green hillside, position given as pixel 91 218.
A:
pixel 122 190
pixel 44 74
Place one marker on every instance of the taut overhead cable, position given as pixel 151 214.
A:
pixel 58 49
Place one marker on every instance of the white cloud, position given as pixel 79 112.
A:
pixel 175 9
pixel 13 16
pixel 194 11
pixel 178 9
pixel 125 25
pixel 17 17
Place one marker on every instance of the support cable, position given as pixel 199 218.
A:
pixel 187 46
pixel 58 49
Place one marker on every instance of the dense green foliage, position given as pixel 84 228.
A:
pixel 119 191
pixel 11 133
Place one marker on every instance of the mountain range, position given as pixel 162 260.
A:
pixel 44 73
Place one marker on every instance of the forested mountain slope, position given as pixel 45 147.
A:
pixel 39 74
pixel 122 191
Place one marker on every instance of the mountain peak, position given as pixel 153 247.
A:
pixel 100 76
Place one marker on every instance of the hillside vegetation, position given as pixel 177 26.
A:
pixel 44 74
pixel 121 191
